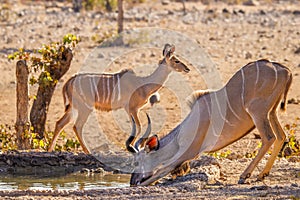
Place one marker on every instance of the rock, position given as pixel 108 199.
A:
pixel 293 101
pixel 165 2
pixel 263 187
pixel 296 12
pixel 251 3
pixel 241 11
pixel 85 170
pixel 99 170
pixel 248 55
pixel 294 159
pixel 287 151
pixel 297 51
pixel 262 12
pixel 225 10
pixel 190 18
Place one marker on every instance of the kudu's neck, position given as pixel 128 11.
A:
pixel 184 141
pixel 154 81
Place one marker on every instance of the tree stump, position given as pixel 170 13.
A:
pixel 22 123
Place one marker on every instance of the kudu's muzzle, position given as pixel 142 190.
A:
pixel 138 178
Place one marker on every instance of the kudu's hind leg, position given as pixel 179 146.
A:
pixel 263 125
pixel 83 114
pixel 60 124
pixel 280 138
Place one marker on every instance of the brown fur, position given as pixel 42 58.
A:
pixel 107 92
pixel 249 99
pixel 196 95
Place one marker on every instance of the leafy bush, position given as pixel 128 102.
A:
pixel 8 140
pixel 40 60
pixel 292 146
pixel 100 4
pixel 220 154
pixel 112 33
pixel 8 137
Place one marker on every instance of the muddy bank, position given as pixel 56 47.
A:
pixel 47 164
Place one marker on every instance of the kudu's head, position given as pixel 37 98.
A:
pixel 148 157
pixel 171 60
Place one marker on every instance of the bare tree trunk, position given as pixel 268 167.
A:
pixel 22 123
pixel 108 6
pixel 77 5
pixel 120 16
pixel 38 114
pixel 183 7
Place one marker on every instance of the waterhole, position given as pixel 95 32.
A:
pixel 76 181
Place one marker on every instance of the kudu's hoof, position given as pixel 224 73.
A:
pixel 261 178
pixel 242 181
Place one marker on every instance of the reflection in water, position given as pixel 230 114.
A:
pixel 76 181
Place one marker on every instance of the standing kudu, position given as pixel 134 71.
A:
pixel 84 92
pixel 219 118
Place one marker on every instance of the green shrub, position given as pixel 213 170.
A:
pixel 39 60
pixel 8 140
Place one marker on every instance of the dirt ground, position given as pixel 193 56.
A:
pixel 232 35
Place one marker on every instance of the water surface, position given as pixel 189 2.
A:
pixel 77 181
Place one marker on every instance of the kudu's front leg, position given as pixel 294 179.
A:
pixel 181 170
pixel 134 114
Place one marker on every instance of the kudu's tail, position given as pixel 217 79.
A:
pixel 287 87
pixel 66 91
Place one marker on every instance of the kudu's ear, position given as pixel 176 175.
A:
pixel 152 143
pixel 168 50
pixel 172 50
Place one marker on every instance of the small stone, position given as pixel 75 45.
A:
pixel 287 151
pixel 296 12
pixel 297 51
pixel 293 101
pixel 251 3
pixel 294 185
pixel 248 55
pixel 99 170
pixel 85 170
pixel 225 10
pixel 263 187
pixel 165 2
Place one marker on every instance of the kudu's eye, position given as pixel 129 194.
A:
pixel 176 61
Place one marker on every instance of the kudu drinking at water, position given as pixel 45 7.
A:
pixel 218 118
pixel 84 92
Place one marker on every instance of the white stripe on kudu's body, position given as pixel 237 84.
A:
pixel 108 89
pixel 257 73
pixel 96 90
pixel 251 102
pixel 84 92
pixel 119 88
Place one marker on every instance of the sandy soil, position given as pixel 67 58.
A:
pixel 232 35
